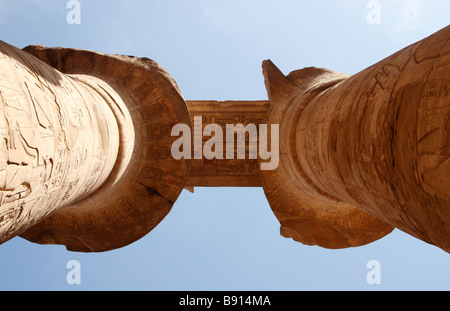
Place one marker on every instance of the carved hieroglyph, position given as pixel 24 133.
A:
pixel 226 172
pixel 86 148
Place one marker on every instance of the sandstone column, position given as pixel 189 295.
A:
pixel 59 139
pixel 376 142
pixel 83 158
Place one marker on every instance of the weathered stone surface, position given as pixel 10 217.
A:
pixel 226 172
pixel 306 213
pixel 143 181
pixel 378 140
pixel 59 139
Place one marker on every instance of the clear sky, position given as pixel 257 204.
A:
pixel 227 238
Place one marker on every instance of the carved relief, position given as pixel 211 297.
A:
pixel 226 172
pixel 48 142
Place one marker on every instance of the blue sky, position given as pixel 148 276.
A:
pixel 227 238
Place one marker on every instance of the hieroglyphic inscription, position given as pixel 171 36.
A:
pixel 52 147
pixel 226 172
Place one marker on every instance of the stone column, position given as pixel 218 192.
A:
pixel 376 143
pixel 84 139
pixel 59 139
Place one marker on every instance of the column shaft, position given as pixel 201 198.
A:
pixel 380 140
pixel 59 139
